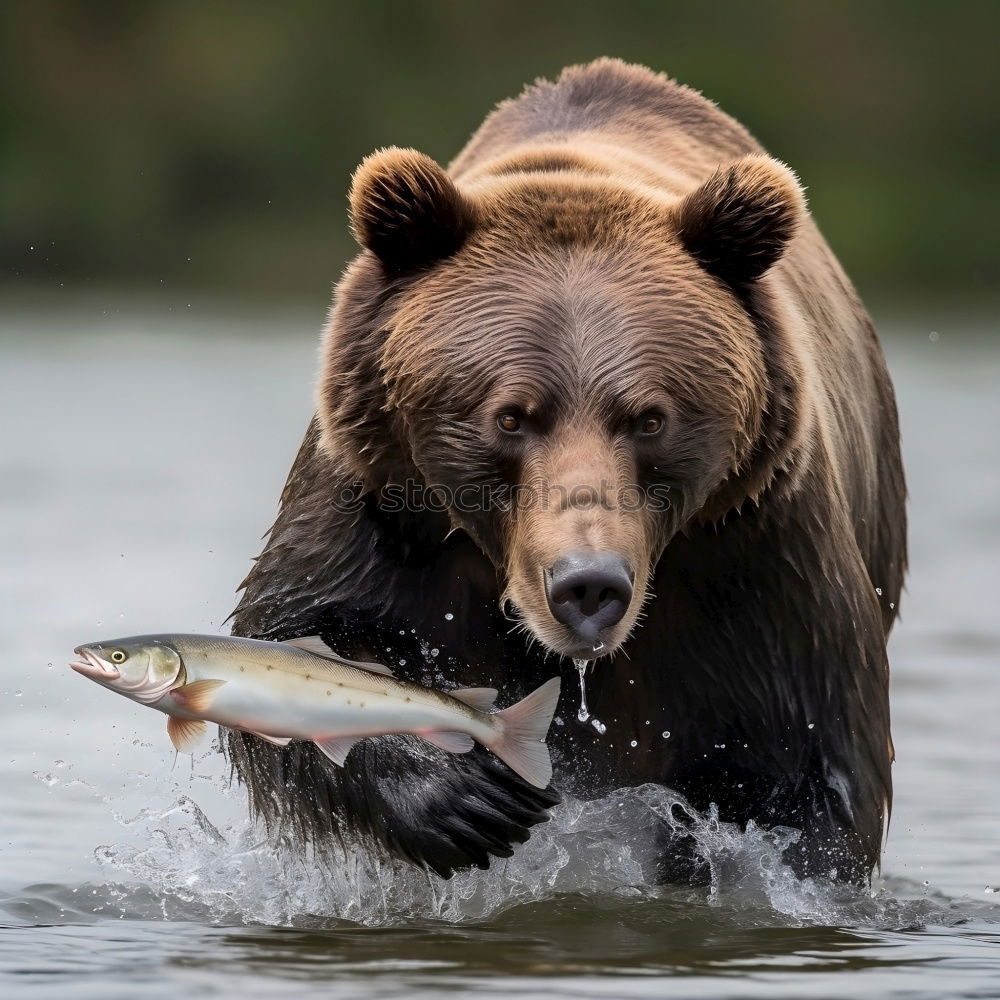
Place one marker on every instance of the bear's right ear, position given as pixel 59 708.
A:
pixel 739 222
pixel 407 210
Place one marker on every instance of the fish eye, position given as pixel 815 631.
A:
pixel 118 656
pixel 650 424
pixel 508 423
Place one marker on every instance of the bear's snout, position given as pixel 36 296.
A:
pixel 589 592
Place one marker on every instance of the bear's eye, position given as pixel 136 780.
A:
pixel 508 423
pixel 118 656
pixel 650 424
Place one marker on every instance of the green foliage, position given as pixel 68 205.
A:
pixel 196 143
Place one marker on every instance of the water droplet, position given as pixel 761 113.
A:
pixel 402 663
pixel 435 651
pixel 812 725
pixel 665 734
pixel 18 693
pixel 631 681
pixel 934 336
pixel 599 726
pixel 634 743
pixel 878 590
pixel 449 617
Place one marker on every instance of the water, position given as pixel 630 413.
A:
pixel 141 459
pixel 583 712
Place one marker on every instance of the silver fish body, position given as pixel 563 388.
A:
pixel 302 690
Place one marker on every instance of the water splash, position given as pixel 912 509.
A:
pixel 174 863
pixel 238 875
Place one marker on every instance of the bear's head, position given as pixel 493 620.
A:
pixel 571 368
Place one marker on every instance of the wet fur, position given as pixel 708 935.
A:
pixel 578 233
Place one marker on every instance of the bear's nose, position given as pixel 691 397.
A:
pixel 589 591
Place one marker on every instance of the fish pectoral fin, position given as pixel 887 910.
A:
pixel 481 699
pixel 198 695
pixel 337 747
pixel 315 645
pixel 452 742
pixel 185 734
pixel 278 741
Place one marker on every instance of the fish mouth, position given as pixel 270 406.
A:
pixel 92 666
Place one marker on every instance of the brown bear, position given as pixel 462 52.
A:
pixel 599 391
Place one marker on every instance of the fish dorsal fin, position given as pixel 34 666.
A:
pixel 372 668
pixel 312 644
pixel 315 645
pixel 481 699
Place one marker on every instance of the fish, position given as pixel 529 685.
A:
pixel 300 689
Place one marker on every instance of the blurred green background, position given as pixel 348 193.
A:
pixel 207 147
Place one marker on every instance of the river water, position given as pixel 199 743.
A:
pixel 143 451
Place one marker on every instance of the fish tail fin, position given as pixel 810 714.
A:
pixel 522 730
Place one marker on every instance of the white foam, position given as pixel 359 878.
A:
pixel 604 848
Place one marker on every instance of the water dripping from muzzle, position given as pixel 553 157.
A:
pixel 583 713
pixel 581 668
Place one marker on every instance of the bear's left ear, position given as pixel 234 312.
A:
pixel 739 222
pixel 407 210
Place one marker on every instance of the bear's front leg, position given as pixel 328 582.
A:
pixel 396 794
